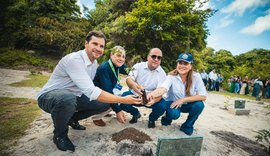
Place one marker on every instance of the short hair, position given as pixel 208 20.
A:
pixel 96 34
pixel 118 50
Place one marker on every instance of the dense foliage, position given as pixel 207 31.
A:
pixel 173 26
pixel 56 27
pixel 49 26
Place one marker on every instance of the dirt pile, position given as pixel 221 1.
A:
pixel 131 134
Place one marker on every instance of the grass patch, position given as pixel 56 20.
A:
pixel 239 95
pixel 14 58
pixel 32 81
pixel 16 115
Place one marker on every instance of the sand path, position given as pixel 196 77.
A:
pixel 97 141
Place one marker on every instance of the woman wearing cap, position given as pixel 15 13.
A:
pixel 185 93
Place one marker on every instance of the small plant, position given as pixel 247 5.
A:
pixel 35 72
pixel 227 102
pixel 263 135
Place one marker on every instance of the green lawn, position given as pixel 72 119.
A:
pixel 225 93
pixel 16 115
pixel 35 80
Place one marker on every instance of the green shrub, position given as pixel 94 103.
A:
pixel 11 58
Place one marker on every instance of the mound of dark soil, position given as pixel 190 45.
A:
pixel 250 146
pixel 132 134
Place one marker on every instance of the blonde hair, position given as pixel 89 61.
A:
pixel 118 50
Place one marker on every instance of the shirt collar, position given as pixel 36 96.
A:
pixel 86 59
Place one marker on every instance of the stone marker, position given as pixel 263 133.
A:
pixel 239 103
pixel 239 108
pixel 182 146
pixel 239 111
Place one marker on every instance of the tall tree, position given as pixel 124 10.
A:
pixel 174 26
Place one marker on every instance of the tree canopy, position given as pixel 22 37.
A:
pixel 57 27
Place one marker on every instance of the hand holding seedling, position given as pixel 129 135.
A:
pixel 131 99
pixel 150 99
pixel 144 97
pixel 138 88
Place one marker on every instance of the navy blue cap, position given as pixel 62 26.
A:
pixel 187 57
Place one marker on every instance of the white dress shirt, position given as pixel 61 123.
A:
pixel 176 88
pixel 75 73
pixel 149 79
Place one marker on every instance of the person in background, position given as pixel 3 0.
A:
pixel 185 93
pixel 257 87
pixel 108 78
pixel 244 86
pixel 204 76
pixel 70 94
pixel 267 88
pixel 146 76
pixel 218 82
pixel 212 80
pixel 237 85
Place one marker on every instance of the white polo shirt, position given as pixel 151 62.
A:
pixel 75 73
pixel 149 79
pixel 176 88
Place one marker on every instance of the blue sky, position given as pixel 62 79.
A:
pixel 238 26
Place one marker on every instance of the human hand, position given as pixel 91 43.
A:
pixel 176 104
pixel 121 117
pixel 138 89
pixel 131 99
pixel 150 99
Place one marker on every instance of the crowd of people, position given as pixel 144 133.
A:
pixel 212 81
pixel 244 86
pixel 78 88
pixel 236 84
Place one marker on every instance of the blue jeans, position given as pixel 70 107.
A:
pixel 64 105
pixel 193 108
pixel 158 108
pixel 236 87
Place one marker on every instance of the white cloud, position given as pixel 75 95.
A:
pixel 260 25
pixel 213 41
pixel 224 22
pixel 79 3
pixel 240 6
pixel 205 5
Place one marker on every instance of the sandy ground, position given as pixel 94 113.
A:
pixel 97 141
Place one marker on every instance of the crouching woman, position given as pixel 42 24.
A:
pixel 185 93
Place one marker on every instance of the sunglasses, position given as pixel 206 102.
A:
pixel 155 57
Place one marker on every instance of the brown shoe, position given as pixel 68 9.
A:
pixel 99 122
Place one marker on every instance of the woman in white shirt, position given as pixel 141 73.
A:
pixel 185 93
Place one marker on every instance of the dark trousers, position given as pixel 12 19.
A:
pixel 217 86
pixel 158 109
pixel 193 109
pixel 204 82
pixel 64 105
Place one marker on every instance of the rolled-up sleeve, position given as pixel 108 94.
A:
pixel 77 72
pixel 166 83
pixel 134 72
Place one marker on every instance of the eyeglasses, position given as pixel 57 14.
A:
pixel 155 57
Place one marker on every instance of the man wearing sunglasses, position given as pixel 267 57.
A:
pixel 145 76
